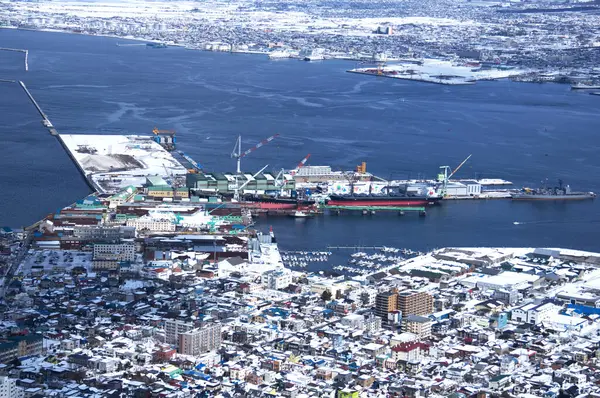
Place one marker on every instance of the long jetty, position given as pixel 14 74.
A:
pixel 45 121
pixel 52 130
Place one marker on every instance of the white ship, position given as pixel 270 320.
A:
pixel 279 55
pixel 584 86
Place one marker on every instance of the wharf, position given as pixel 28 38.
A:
pixel 112 163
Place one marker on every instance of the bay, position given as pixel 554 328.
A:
pixel 521 132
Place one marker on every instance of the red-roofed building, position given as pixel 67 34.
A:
pixel 410 351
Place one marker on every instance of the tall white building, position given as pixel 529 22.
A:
pixel 277 279
pixel 114 252
pixel 107 256
pixel 418 325
pixel 9 388
pixel 175 327
pixel 198 341
pixel 365 297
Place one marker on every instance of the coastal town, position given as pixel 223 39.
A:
pixel 106 298
pixel 167 280
pixel 540 41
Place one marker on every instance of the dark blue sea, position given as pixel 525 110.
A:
pixel 521 132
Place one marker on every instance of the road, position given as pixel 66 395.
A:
pixel 15 262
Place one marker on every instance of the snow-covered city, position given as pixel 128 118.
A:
pixel 544 40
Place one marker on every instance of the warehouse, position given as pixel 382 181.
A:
pixel 225 183
pixel 463 188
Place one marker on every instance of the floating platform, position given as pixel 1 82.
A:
pixel 374 209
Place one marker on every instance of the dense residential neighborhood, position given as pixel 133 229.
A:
pixel 98 307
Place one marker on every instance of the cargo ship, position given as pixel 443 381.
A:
pixel 556 193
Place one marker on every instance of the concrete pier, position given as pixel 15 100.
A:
pixel 52 130
pixel 45 120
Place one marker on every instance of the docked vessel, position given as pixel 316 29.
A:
pixel 584 86
pixel 301 214
pixel 557 193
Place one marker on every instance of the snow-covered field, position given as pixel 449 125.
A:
pixel 439 71
pixel 123 160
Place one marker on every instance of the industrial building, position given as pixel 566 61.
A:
pixel 463 188
pixel 225 183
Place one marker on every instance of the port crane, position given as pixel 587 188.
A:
pixel 238 187
pixel 237 150
pixel 459 166
pixel 300 165
pixel 445 177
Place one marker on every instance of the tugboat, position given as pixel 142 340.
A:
pixel 301 214
pixel 557 193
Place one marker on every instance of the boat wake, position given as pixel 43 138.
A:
pixel 554 222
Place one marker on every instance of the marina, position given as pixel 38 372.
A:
pixel 363 261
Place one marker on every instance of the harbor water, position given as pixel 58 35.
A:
pixel 524 133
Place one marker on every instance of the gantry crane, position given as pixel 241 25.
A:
pixel 166 138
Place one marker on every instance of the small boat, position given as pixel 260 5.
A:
pixel 585 86
pixel 300 214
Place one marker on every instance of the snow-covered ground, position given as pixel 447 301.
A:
pixel 239 13
pixel 439 71
pixel 121 160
